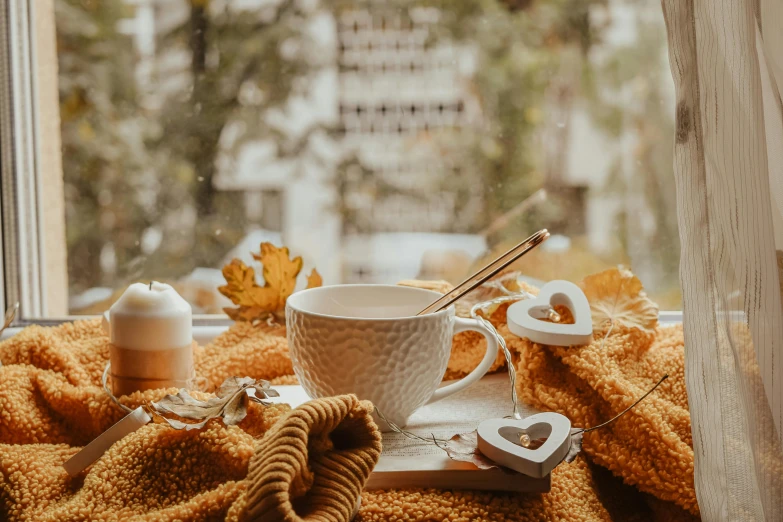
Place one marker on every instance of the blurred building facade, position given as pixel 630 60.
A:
pixel 393 212
pixel 391 207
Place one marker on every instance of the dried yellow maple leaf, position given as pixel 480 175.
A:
pixel 314 279
pixel 617 297
pixel 279 272
pixel 257 302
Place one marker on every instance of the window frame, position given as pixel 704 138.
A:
pixel 22 249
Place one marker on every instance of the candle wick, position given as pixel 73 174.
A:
pixel 150 286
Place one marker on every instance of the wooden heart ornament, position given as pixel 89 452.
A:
pixel 498 439
pixel 524 317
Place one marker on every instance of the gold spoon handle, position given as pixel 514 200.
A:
pixel 487 272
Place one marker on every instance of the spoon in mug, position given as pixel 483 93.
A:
pixel 489 271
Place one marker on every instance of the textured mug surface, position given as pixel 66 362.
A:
pixel 367 340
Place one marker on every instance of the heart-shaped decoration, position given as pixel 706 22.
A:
pixel 497 440
pixel 524 317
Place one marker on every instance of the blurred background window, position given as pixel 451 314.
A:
pixel 379 140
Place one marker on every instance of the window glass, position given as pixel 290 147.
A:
pixel 379 140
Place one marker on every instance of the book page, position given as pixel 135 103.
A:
pixel 490 398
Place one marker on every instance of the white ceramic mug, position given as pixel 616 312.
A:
pixel 368 340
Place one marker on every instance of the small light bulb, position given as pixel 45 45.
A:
pixel 524 440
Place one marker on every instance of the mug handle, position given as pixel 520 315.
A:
pixel 475 325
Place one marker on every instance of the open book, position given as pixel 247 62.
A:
pixel 408 463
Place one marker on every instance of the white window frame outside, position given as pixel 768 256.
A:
pixel 22 250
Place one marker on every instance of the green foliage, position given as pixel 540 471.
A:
pixel 520 52
pixel 129 169
pixel 105 160
pixel 639 72
pixel 131 166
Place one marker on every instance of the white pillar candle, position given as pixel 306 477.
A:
pixel 151 339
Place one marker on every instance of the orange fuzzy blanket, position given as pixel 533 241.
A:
pixel 280 465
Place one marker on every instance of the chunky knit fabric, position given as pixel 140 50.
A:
pixel 306 464
pixel 310 464
pixel 651 446
pixel 314 463
pixel 640 468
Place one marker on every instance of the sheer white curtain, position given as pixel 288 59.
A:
pixel 726 58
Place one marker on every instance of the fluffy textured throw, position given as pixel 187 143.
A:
pixel 311 463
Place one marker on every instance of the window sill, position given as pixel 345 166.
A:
pixel 204 334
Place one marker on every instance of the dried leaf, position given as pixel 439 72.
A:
pixel 233 384
pixel 463 447
pixel 241 286
pixel 576 444
pixel 185 406
pixel 235 410
pixel 179 425
pixel 617 297
pixel 256 302
pixel 246 313
pixel 258 394
pixel 256 399
pixel 314 279
pixel 265 390
pixel 279 272
pixel 230 403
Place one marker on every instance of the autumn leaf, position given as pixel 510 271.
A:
pixel 279 273
pixel 229 405
pixel 256 302
pixel 576 445
pixel 242 289
pixel 463 447
pixel 241 286
pixel 246 313
pixel 617 298
pixel 314 279
pixel 235 409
